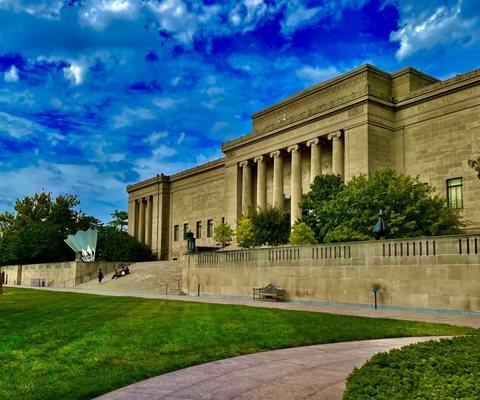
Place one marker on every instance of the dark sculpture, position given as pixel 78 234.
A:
pixel 192 248
pixel 381 228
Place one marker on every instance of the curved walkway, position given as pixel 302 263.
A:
pixel 311 372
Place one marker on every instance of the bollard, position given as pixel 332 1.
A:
pixel 375 291
pixel 198 290
pixel 166 289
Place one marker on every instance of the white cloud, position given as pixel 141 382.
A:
pixel 298 17
pixel 11 75
pixel 18 127
pixel 46 9
pixel 130 115
pixel 181 138
pixel 166 103
pixel 315 74
pixel 155 136
pixel 422 29
pixel 75 73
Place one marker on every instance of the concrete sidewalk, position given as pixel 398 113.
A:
pixel 311 372
pixel 360 311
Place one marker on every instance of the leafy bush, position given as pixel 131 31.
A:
pixel 342 212
pixel 302 235
pixel 117 245
pixel 223 234
pixel 268 226
pixel 445 369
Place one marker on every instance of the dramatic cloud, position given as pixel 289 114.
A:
pixel 97 94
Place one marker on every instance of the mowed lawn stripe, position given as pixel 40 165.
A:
pixel 57 345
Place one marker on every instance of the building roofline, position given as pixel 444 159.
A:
pixel 320 86
pixel 408 69
pixel 161 178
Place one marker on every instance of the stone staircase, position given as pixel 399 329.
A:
pixel 145 276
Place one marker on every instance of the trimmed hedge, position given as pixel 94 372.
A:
pixel 445 369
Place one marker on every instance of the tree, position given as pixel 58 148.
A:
pixel 302 235
pixel 36 230
pixel 223 234
pixel 117 245
pixel 475 164
pixel 268 226
pixel 120 220
pixel 349 213
pixel 245 235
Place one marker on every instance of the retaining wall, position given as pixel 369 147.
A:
pixel 433 272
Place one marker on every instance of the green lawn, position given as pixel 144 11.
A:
pixel 57 345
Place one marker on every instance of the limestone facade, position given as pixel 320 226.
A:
pixel 353 124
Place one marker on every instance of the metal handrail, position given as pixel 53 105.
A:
pixel 177 281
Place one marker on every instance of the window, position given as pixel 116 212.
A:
pixel 210 228
pixel 185 230
pixel 175 233
pixel 198 230
pixel 454 192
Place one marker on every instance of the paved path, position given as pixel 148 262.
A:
pixel 311 372
pixel 361 311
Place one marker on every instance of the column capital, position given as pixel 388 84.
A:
pixel 312 141
pixel 293 148
pixel 244 163
pixel 276 153
pixel 258 159
pixel 335 135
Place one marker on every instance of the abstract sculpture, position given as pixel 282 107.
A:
pixel 84 243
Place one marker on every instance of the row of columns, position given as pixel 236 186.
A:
pixel 144 220
pixel 296 173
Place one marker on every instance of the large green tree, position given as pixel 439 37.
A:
pixel 342 212
pixel 36 230
pixel 268 226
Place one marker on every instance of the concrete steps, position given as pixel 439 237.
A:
pixel 146 276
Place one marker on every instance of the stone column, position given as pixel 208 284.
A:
pixel 337 153
pixel 315 158
pixel 246 185
pixel 148 222
pixel 277 179
pixel 296 183
pixel 261 181
pixel 141 222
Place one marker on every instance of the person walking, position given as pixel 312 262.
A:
pixel 100 275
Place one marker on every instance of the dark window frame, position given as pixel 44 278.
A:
pixel 455 193
pixel 198 229
pixel 209 228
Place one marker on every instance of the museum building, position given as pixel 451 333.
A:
pixel 353 124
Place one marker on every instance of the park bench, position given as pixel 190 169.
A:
pixel 269 292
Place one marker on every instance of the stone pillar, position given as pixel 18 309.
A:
pixel 296 183
pixel 148 222
pixel 141 222
pixel 315 158
pixel 261 181
pixel 337 153
pixel 246 185
pixel 277 179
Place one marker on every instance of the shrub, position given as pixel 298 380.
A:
pixel 223 234
pixel 445 369
pixel 270 226
pixel 302 235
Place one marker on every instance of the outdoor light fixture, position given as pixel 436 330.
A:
pixel 376 289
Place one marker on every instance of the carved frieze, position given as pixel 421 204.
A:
pixel 205 201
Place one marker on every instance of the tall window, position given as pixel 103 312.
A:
pixel 210 228
pixel 198 230
pixel 454 192
pixel 175 233
pixel 185 230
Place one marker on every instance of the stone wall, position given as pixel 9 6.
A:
pixel 433 272
pixel 61 274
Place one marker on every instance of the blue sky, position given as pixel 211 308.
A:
pixel 96 94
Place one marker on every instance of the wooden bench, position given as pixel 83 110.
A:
pixel 269 292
